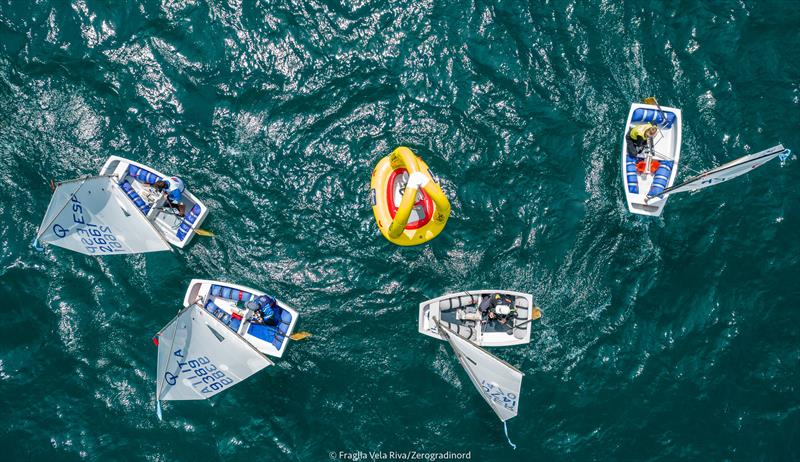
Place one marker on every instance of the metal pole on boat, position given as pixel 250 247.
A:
pixel 652 100
pixel 649 154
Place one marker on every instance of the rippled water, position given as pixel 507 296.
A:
pixel 663 339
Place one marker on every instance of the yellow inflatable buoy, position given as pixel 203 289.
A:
pixel 408 203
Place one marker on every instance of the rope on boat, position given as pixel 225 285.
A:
pixel 505 427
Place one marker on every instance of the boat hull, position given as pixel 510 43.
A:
pixel 135 179
pixel 457 310
pixel 224 300
pixel 638 185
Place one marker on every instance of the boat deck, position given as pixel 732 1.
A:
pixel 664 159
pixel 226 302
pixel 459 313
pixel 136 181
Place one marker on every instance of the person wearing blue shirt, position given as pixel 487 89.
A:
pixel 173 188
pixel 265 309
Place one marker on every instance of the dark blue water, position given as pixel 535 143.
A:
pixel 663 339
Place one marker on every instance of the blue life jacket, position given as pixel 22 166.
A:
pixel 175 188
pixel 266 305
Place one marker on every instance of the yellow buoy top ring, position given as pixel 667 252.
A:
pixel 409 206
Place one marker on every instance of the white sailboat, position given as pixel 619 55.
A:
pixel 462 313
pixel 215 341
pixel 649 176
pixel 648 173
pixel 117 212
pixel 498 382
pixel 94 216
pixel 199 356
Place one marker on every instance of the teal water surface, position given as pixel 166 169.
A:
pixel 663 339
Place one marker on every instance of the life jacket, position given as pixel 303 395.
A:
pixel 486 304
pixel 175 184
pixel 638 133
pixel 175 188
pixel 266 305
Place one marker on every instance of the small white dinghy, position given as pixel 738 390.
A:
pixel 498 382
pixel 117 212
pixel 461 313
pixel 215 342
pixel 647 175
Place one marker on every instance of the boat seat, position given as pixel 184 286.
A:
pixel 268 334
pixel 522 316
pixel 264 332
pixel 474 316
pixel 143 175
pixel 521 303
pixel 285 321
pixel 283 328
pixel 460 329
pixel 522 313
pixel 219 313
pixel 135 197
pixel 630 174
pixel 188 221
pixel 230 293
pixel 286 317
pixel 661 178
pixel 457 302
pixel 652 115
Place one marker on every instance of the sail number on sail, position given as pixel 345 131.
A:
pixel 200 372
pixel 93 237
pixel 506 399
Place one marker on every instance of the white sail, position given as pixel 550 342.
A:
pixel 498 382
pixel 727 171
pixel 199 356
pixel 93 216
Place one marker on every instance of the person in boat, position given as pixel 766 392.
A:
pixel 173 188
pixel 497 307
pixel 486 307
pixel 504 312
pixel 265 310
pixel 638 138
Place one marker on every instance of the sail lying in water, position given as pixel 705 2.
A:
pixel 727 171
pixel 199 356
pixel 93 216
pixel 498 382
